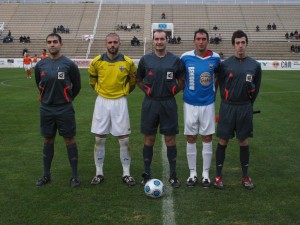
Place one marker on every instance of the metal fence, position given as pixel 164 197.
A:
pixel 208 2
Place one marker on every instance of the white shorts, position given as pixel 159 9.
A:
pixel 199 119
pixel 27 67
pixel 111 116
pixel 33 64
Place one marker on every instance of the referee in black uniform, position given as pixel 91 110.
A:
pixel 58 80
pixel 239 81
pixel 160 75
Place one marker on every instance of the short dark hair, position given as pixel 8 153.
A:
pixel 201 30
pixel 55 35
pixel 159 31
pixel 112 35
pixel 238 34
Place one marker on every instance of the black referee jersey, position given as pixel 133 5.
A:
pixel 239 80
pixel 160 74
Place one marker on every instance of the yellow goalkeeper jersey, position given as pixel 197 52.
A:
pixel 112 78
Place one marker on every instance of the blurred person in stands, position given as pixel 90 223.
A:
pixel 286 35
pixel 178 40
pixel 25 50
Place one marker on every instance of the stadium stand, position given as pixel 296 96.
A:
pixel 37 20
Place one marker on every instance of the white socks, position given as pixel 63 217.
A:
pixel 125 155
pixel 191 152
pixel 99 154
pixel 206 156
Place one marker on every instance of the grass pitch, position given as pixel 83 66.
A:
pixel 274 165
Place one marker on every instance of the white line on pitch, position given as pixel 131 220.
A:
pixel 167 206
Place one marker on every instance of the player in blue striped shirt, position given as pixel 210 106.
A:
pixel 201 65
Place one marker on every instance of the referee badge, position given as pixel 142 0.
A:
pixel 61 75
pixel 122 68
pixel 249 77
pixel 170 75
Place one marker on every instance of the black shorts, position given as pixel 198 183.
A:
pixel 162 113
pixel 235 119
pixel 61 118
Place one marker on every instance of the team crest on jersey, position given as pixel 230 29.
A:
pixel 43 74
pixel 122 68
pixel 61 75
pixel 170 75
pixel 211 66
pixel 249 77
pixel 205 78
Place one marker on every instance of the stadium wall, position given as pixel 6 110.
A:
pixel 84 63
pixel 156 2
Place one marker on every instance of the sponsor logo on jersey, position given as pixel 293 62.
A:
pixel 249 77
pixel 170 75
pixel 205 78
pixel 43 74
pixel 191 78
pixel 150 73
pixel 61 75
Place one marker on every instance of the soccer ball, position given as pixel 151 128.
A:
pixel 154 188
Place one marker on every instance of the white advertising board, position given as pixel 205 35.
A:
pixel 84 63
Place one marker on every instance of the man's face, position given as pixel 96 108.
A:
pixel 240 46
pixel 201 42
pixel 53 45
pixel 159 41
pixel 112 44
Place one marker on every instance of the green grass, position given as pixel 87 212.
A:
pixel 274 165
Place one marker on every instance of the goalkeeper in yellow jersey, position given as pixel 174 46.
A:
pixel 112 76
